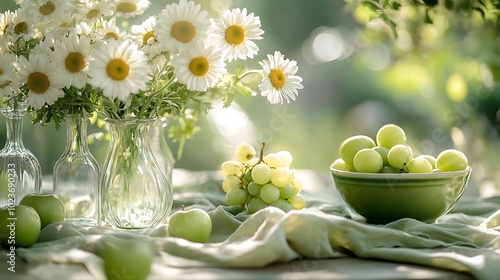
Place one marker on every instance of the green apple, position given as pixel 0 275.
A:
pixel 49 207
pixel 19 226
pixel 194 225
pixel 127 259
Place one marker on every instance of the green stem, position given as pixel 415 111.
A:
pixel 239 78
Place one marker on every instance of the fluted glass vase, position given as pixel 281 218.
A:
pixel 76 174
pixel 160 147
pixel 20 171
pixel 135 192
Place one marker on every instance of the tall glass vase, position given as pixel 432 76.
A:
pixel 20 171
pixel 76 174
pixel 135 192
pixel 160 147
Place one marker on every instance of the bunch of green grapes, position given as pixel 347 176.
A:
pixel 391 154
pixel 258 182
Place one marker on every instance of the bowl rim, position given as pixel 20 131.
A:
pixel 364 175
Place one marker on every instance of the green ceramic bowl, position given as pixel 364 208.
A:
pixel 383 198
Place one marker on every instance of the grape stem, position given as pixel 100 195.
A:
pixel 261 156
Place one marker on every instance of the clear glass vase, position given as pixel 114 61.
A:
pixel 135 192
pixel 76 174
pixel 160 147
pixel 20 171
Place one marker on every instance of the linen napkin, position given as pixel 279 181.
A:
pixel 459 241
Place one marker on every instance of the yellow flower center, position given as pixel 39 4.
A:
pixel 38 82
pixel 1 72
pixel 277 78
pixel 117 69
pixel 74 62
pixel 126 7
pixel 234 35
pixel 21 27
pixel 111 35
pixel 5 84
pixel 183 31
pixel 147 36
pixel 93 13
pixel 47 8
pixel 199 66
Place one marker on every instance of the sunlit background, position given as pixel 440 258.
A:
pixel 435 80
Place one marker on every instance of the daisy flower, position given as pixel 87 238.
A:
pixel 119 69
pixel 234 32
pixel 109 31
pixel 144 35
pixel 181 25
pixel 43 79
pixel 130 8
pixel 93 11
pixel 44 11
pixel 22 26
pixel 280 81
pixel 5 20
pixel 70 55
pixel 200 67
pixel 8 75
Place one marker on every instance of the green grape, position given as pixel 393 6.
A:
pixel 231 167
pixel 236 197
pixel 244 152
pixel 253 161
pixel 286 158
pixel 399 155
pixel 231 182
pixel 296 183
pixel 281 177
pixel 248 177
pixel 255 204
pixel 352 145
pixel 339 164
pixel 430 159
pixel 368 161
pixel 298 202
pixel 419 165
pixel 273 160
pixel 269 193
pixel 254 188
pixel 390 135
pixel 287 191
pixel 383 151
pixel 283 205
pixel 261 173
pixel 451 160
pixel 389 169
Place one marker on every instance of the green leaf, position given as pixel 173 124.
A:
pixel 427 18
pixel 372 5
pixel 396 6
pixel 431 3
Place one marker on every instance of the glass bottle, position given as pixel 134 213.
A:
pixel 76 174
pixel 20 171
pixel 135 192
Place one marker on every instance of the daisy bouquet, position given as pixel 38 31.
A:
pixel 79 57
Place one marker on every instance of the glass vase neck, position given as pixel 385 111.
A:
pixel 14 123
pixel 76 128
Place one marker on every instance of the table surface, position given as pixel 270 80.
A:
pixel 336 268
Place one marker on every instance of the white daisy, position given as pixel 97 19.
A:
pixel 279 79
pixel 234 32
pixel 181 25
pixel 119 69
pixel 109 31
pixel 44 11
pixel 43 80
pixel 9 81
pixel 22 26
pixel 71 55
pixel 130 8
pixel 200 67
pixel 144 35
pixel 5 20
pixel 92 11
pixel 61 25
